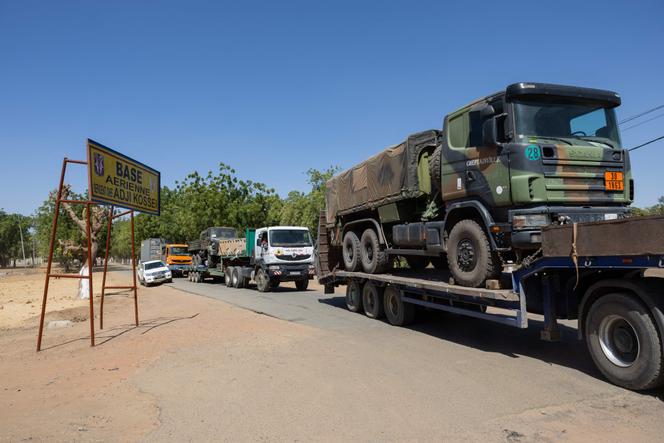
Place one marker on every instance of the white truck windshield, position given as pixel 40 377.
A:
pixel 290 238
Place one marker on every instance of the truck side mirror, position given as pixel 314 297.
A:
pixel 490 132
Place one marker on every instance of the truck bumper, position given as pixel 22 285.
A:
pixel 179 268
pixel 291 272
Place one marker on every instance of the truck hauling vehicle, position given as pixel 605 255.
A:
pixel 268 256
pixel 176 256
pixel 474 196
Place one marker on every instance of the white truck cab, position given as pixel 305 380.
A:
pixel 285 253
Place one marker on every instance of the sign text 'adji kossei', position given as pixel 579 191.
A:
pixel 118 180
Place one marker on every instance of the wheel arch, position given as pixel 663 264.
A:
pixel 363 222
pixel 473 210
pixel 641 289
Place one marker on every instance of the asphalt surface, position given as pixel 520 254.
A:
pixel 446 377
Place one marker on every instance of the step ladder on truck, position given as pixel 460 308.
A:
pixel 598 273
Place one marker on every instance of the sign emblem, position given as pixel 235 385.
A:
pixel 99 164
pixel 532 152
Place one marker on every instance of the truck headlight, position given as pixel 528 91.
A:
pixel 529 220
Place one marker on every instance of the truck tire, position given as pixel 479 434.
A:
pixel 417 262
pixel 236 278
pixel 228 278
pixel 374 261
pixel 351 251
pixel 372 300
pixel 623 341
pixel 302 285
pixel 469 255
pixel 435 169
pixel 397 312
pixel 262 281
pixel 354 296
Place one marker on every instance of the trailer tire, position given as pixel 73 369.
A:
pixel 372 300
pixel 469 255
pixel 374 261
pixel 262 281
pixel 351 251
pixel 302 285
pixel 624 343
pixel 397 312
pixel 417 262
pixel 354 296
pixel 228 278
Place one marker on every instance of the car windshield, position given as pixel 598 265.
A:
pixel 154 265
pixel 223 233
pixel 567 122
pixel 290 238
pixel 179 250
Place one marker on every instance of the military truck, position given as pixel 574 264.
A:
pixel 268 256
pixel 475 195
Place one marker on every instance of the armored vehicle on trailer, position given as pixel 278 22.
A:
pixel 475 195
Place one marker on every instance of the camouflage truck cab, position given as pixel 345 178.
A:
pixel 502 168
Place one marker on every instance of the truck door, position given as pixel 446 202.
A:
pixel 261 244
pixel 471 170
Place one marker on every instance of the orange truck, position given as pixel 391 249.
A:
pixel 175 255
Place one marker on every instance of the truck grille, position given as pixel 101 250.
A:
pixel 580 180
pixel 293 257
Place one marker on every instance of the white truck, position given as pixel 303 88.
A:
pixel 267 256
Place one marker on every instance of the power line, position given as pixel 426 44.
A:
pixel 642 123
pixel 646 143
pixel 634 117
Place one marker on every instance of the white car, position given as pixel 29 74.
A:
pixel 154 271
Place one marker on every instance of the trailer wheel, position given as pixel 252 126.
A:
pixel 354 296
pixel 199 277
pixel 228 278
pixel 397 312
pixel 417 262
pixel 302 285
pixel 374 260
pixel 372 300
pixel 469 255
pixel 262 281
pixel 623 342
pixel 351 252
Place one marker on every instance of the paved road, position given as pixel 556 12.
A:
pixel 446 377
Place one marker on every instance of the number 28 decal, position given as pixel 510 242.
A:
pixel 532 152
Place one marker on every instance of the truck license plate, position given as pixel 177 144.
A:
pixel 294 273
pixel 614 181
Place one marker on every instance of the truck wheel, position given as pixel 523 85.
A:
pixel 236 278
pixel 262 281
pixel 435 168
pixel 469 255
pixel 397 312
pixel 354 296
pixel 372 300
pixel 417 262
pixel 302 285
pixel 623 342
pixel 351 252
pixel 374 261
pixel 228 278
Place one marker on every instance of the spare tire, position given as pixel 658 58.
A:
pixel 435 169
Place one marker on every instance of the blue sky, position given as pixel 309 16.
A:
pixel 274 88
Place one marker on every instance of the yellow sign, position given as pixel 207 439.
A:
pixel 118 180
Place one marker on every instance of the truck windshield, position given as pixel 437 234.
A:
pixel 566 121
pixel 289 238
pixel 179 250
pixel 223 233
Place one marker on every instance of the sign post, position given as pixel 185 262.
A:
pixel 119 181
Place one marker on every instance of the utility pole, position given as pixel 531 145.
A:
pixel 20 231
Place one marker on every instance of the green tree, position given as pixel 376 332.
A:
pixel 11 227
pixel 657 209
pixel 300 209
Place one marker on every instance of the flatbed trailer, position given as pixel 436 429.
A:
pixel 620 308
